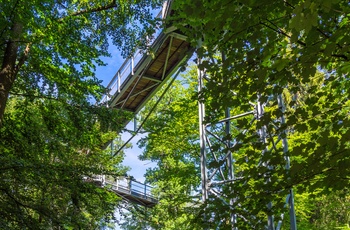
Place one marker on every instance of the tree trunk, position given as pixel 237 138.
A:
pixel 8 68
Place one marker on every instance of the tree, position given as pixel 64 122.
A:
pixel 269 47
pixel 47 149
pixel 169 146
pixel 171 142
pixel 323 211
pixel 272 49
pixel 52 48
pixel 52 132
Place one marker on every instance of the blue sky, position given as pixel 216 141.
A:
pixel 137 167
pixel 106 73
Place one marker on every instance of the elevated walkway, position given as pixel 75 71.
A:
pixel 130 190
pixel 141 75
pixel 137 80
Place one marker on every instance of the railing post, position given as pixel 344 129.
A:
pixel 119 83
pixel 135 124
pixel 132 65
pixel 164 8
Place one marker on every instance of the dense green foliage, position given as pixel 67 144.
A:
pixel 47 148
pixel 173 143
pixel 323 211
pixel 52 134
pixel 295 48
pixel 51 48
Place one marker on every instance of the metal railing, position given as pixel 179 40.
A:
pixel 128 67
pixel 134 188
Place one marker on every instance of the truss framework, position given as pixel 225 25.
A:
pixel 218 163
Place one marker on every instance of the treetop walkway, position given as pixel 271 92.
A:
pixel 136 81
pixel 142 75
pixel 127 189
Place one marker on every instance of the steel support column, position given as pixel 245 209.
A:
pixel 262 134
pixel 201 114
pixel 290 199
pixel 230 162
pixel 217 163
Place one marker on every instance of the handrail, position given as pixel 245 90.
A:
pixel 131 187
pixel 127 68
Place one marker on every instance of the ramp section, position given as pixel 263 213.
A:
pixel 140 77
pixel 132 191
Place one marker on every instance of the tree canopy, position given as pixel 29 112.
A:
pixel 173 143
pixel 48 151
pixel 298 49
pixel 273 47
pixel 53 133
pixel 253 52
pixel 257 51
pixel 51 48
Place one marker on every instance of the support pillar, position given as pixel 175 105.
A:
pixel 201 113
pixel 230 163
pixel 262 134
pixel 290 200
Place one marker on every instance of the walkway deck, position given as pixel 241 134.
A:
pixel 133 191
pixel 129 190
pixel 141 76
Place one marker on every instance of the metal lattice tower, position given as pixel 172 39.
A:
pixel 219 172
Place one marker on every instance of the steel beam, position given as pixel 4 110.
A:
pixel 201 113
pixel 151 78
pixel 167 56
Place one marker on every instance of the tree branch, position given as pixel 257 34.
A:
pixel 340 56
pixel 22 59
pixel 280 31
pixel 10 16
pixel 113 4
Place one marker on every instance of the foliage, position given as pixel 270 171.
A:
pixel 253 52
pixel 171 143
pixel 261 184
pixel 52 48
pixel 52 134
pixel 48 147
pixel 317 211
pixel 297 49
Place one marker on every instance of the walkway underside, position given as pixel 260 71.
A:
pixel 132 191
pixel 136 198
pixel 137 80
pixel 168 53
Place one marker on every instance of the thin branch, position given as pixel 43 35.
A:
pixel 56 99
pixel 288 4
pixel 22 59
pixel 340 56
pixel 323 33
pixel 36 96
pixel 10 16
pixel 280 31
pixel 113 4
